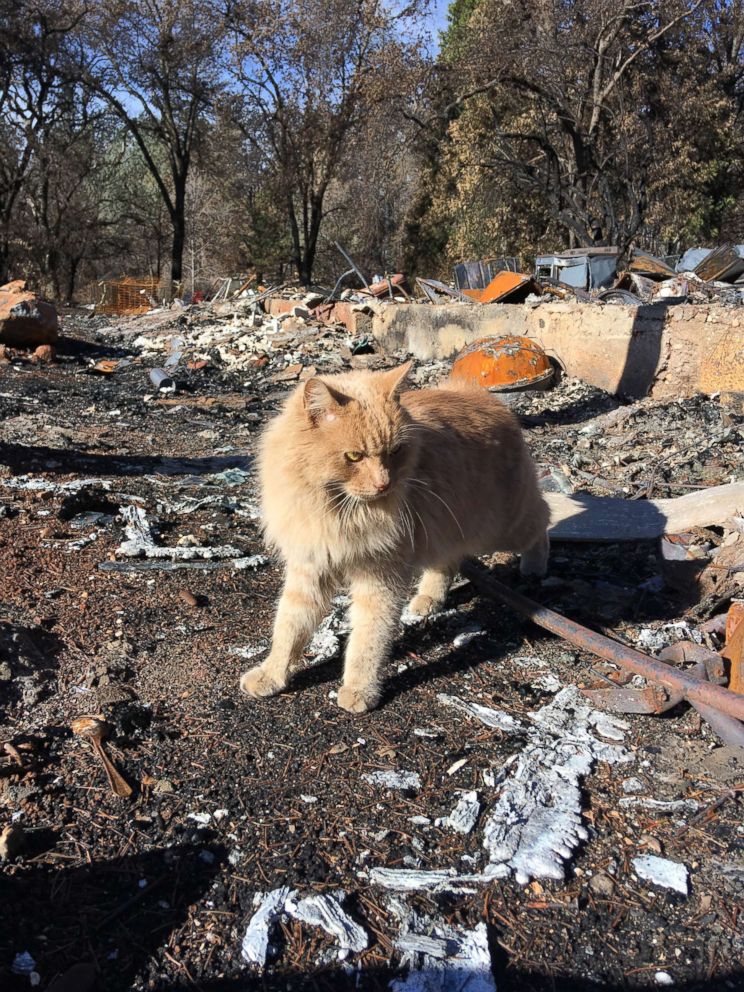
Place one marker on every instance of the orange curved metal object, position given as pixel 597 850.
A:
pixel 503 364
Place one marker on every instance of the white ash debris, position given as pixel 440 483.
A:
pixel 669 806
pixel 547 682
pixel 535 823
pixel 661 871
pixel 653 640
pixel 326 641
pixel 570 717
pixel 139 542
pixel 497 719
pixel 393 779
pixel 466 635
pixel 322 911
pixel 409 619
pixel 250 650
pixel 440 957
pixel 32 483
pixel 464 816
pixel 632 785
pixel 434 879
pixel 255 946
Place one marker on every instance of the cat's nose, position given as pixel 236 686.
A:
pixel 382 485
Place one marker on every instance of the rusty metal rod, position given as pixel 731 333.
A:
pixel 694 689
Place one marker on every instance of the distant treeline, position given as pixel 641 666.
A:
pixel 186 140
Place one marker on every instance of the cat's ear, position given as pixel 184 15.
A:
pixel 320 399
pixel 394 379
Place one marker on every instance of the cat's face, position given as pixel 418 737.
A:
pixel 362 445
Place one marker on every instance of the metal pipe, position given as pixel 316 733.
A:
pixel 723 700
pixel 161 380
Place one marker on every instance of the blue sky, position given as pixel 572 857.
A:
pixel 438 19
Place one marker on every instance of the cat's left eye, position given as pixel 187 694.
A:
pixel 354 456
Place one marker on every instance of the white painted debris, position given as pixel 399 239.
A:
pixel 465 814
pixel 325 912
pixel 23 964
pixel 308 799
pixel 497 719
pixel 140 543
pixel 661 871
pixel 663 978
pixel 255 946
pixel 393 779
pixel 434 880
pixel 535 824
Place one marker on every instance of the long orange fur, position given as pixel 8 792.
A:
pixel 364 488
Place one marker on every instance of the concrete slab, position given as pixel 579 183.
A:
pixel 658 350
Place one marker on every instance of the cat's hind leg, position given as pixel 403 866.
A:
pixel 305 598
pixel 534 560
pixel 432 591
pixel 376 602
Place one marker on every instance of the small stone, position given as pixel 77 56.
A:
pixel 651 843
pixel 188 598
pixel 6 673
pixel 187 541
pixel 162 787
pixel 12 842
pixel 602 885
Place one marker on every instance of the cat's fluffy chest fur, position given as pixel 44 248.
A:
pixel 363 487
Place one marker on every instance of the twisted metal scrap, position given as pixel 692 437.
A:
pixel 701 685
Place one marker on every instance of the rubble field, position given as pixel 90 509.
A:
pixel 485 828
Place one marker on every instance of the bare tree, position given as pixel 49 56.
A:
pixel 35 94
pixel 310 72
pixel 156 64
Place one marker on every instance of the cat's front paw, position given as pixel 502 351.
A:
pixel 259 684
pixel 358 700
pixel 423 605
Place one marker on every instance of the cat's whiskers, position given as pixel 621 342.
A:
pixel 423 527
pixel 407 520
pixel 428 491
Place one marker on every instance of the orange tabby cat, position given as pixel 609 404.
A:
pixel 363 488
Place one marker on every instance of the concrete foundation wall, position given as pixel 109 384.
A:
pixel 656 350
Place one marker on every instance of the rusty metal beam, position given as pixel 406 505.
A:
pixel 693 689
